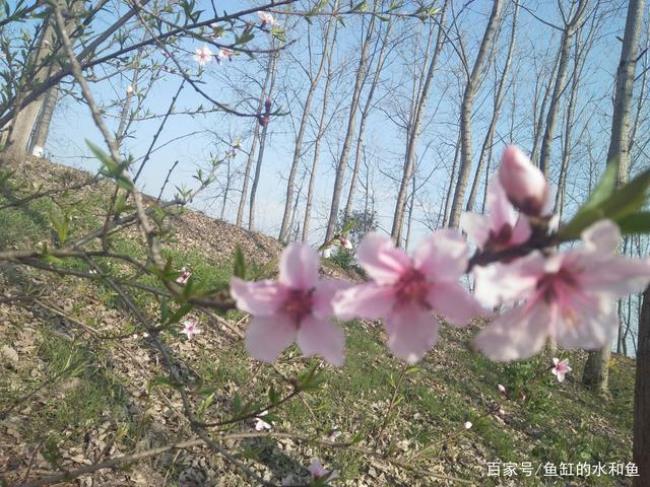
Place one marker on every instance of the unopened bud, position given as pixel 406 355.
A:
pixel 524 183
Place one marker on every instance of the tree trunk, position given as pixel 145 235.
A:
pixel 297 151
pixel 558 88
pixel 364 118
pixel 247 172
pixel 498 100
pixel 641 448
pixel 226 189
pixel 349 134
pixel 251 154
pixel 409 221
pixel 317 143
pixel 260 154
pixel 42 128
pixel 414 131
pixel 23 122
pixel 472 86
pixel 452 178
pixel 539 117
pixel 568 134
pixel 596 373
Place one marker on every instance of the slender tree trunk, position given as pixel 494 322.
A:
pixel 294 233
pixel 251 153
pixel 364 119
pixel 260 153
pixel 317 143
pixel 42 128
pixel 414 129
pixel 298 150
pixel 641 455
pixel 247 172
pixel 568 134
pixel 558 88
pixel 409 224
pixel 23 122
pixel 596 373
pixel 452 178
pixel 349 134
pixel 486 148
pixel 538 124
pixel 226 190
pixel 472 86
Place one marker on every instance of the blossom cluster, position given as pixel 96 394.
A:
pixel 543 294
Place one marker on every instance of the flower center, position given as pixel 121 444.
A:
pixel 412 287
pixel 500 239
pixel 553 285
pixel 299 303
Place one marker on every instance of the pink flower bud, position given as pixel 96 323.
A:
pixel 345 243
pixel 524 184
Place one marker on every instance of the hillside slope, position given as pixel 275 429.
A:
pixel 80 382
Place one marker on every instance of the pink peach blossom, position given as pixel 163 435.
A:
pixel 318 472
pixel 225 53
pixel 524 183
pixel 502 227
pixel 560 368
pixel 184 276
pixel 566 296
pixel 203 55
pixel 190 328
pixel 345 243
pixel 266 18
pixel 297 307
pixel 406 292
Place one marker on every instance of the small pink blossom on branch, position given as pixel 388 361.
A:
pixel 190 328
pixel 524 183
pixel 567 296
pixel 560 368
pixel 297 307
pixel 502 227
pixel 184 276
pixel 345 243
pixel 225 53
pixel 266 18
pixel 203 55
pixel 407 292
pixel 318 472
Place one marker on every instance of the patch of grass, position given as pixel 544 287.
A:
pixel 85 395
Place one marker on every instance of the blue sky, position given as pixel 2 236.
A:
pixel 384 140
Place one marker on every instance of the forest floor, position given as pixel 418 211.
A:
pixel 80 383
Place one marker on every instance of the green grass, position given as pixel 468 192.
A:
pixel 542 420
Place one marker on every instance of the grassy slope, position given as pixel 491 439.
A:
pixel 105 397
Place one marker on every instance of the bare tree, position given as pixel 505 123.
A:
pixel 473 83
pixel 264 121
pixel 36 71
pixel 320 132
pixel 314 80
pixel 596 373
pixel 342 164
pixel 568 30
pixel 414 126
pixel 255 141
pixel 384 42
pixel 499 92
